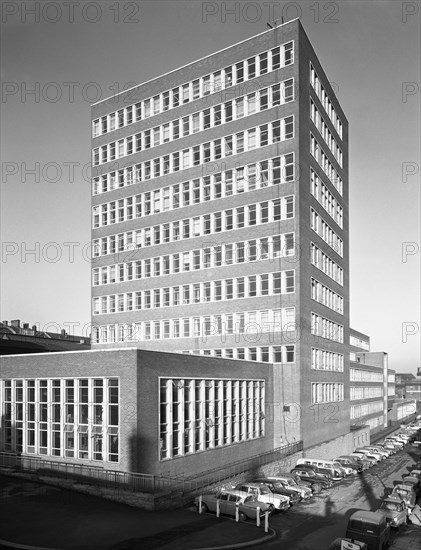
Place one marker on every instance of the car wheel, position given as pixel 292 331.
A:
pixel 242 516
pixel 272 508
pixel 317 488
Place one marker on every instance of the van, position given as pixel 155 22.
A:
pixel 369 527
pixel 335 469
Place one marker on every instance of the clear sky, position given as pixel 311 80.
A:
pixel 70 56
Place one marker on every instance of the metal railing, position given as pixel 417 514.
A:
pixel 138 482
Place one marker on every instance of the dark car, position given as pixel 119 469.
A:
pixel 280 489
pixel 320 471
pixel 414 482
pixel 319 482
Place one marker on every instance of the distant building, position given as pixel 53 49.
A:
pixel 18 338
pixel 401 380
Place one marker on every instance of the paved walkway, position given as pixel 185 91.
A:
pixel 66 520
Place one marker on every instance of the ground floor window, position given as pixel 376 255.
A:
pixel 62 417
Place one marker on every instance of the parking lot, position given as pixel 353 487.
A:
pixel 313 525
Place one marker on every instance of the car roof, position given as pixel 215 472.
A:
pixel 393 498
pixel 364 515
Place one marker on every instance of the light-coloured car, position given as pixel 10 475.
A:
pixel 350 466
pixel 382 452
pixel 407 494
pixel 228 502
pixel 262 492
pixel 395 510
pixel 369 453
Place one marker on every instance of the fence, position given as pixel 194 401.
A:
pixel 137 482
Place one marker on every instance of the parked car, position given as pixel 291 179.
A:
pixel 413 482
pixel 280 489
pixel 389 446
pixel 398 445
pixel 228 501
pixel 320 471
pixel 364 462
pixel 349 464
pixel 369 527
pixel 295 479
pixel 363 456
pixel 289 482
pixel 376 449
pixel 395 510
pixel 335 469
pixel 319 482
pixel 407 494
pixel 264 494
pixel 369 453
pixel 343 543
pixel 416 473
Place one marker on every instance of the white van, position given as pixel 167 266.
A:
pixel 338 471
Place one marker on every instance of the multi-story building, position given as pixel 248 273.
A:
pixel 373 387
pixel 220 221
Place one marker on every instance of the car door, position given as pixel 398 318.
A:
pixel 223 502
pixel 231 504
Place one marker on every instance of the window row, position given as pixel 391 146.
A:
pixel 325 101
pixel 245 323
pixel 196 415
pixel 320 326
pixel 209 224
pixel 365 392
pixel 244 106
pixel 366 408
pixel 232 75
pixel 325 198
pixel 326 296
pixel 326 134
pixel 223 184
pixel 267 248
pixel 211 151
pixel 319 226
pixel 268 284
pixel 264 354
pixel 359 343
pixel 325 164
pixel 326 360
pixel 70 418
pixel 327 392
pixel 326 264
pixel 359 375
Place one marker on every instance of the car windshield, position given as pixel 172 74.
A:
pixel 264 490
pixel 403 491
pixel 249 499
pixel 390 506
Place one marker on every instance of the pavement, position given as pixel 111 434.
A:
pixel 66 520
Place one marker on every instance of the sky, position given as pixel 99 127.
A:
pixel 57 59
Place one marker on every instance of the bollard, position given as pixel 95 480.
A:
pixel 237 512
pixel 217 507
pixel 266 521
pixel 258 516
pixel 200 504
